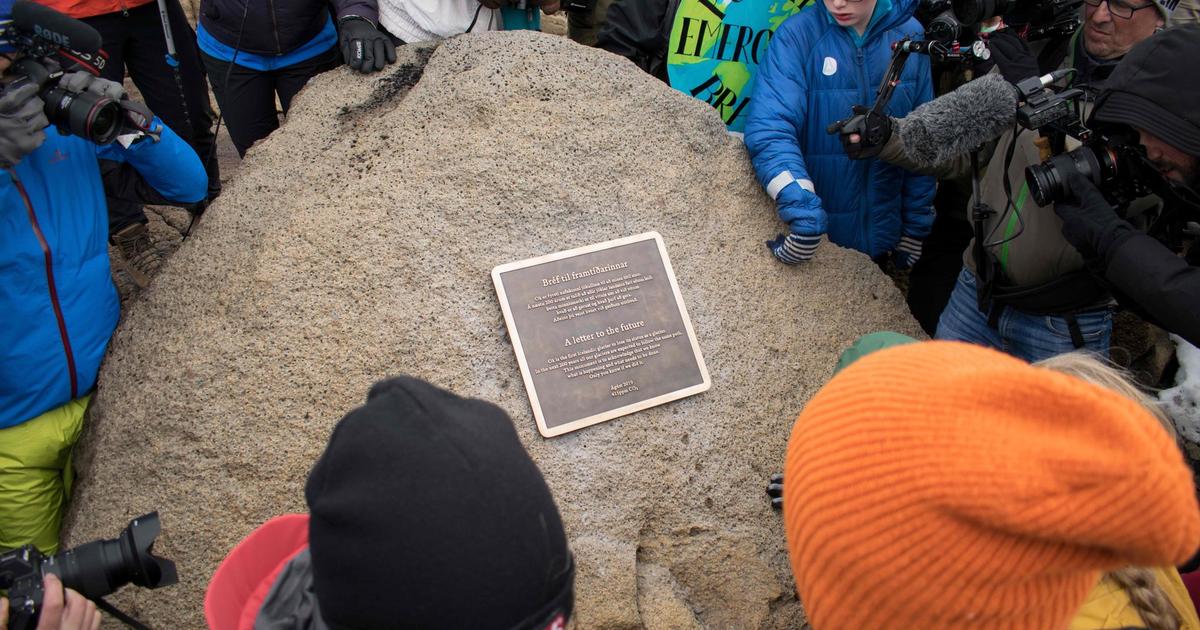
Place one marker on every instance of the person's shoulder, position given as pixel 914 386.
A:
pixel 805 30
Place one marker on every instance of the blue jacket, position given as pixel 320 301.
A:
pixel 58 306
pixel 814 72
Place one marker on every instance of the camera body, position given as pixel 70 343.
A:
pixel 93 569
pixel 1042 19
pixel 1116 164
pixel 91 116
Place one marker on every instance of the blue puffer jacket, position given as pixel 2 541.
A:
pixel 58 306
pixel 815 71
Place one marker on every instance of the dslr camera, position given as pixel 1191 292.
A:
pixel 93 569
pixel 1115 162
pixel 37 34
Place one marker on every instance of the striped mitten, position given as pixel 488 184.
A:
pixel 794 248
pixel 907 253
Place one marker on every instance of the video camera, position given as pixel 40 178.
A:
pixel 1038 19
pixel 42 36
pixel 93 569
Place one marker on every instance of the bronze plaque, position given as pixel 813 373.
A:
pixel 599 332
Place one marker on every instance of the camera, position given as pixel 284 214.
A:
pixel 1115 164
pixel 84 114
pixel 93 569
pixel 1043 18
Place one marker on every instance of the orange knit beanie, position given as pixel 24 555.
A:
pixel 942 485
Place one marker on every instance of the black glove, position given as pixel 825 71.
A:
pixel 872 129
pixel 1012 55
pixel 1090 223
pixel 22 123
pixel 363 47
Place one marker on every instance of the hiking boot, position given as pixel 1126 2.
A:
pixel 141 259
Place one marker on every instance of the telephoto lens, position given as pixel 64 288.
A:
pixel 1047 181
pixel 91 116
pixel 101 567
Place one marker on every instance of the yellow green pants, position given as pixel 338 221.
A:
pixel 36 476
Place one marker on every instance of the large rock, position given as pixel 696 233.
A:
pixel 356 243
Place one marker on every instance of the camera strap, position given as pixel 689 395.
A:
pixel 119 615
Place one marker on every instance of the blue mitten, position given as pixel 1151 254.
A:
pixel 801 210
pixel 907 253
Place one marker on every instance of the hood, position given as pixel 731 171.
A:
pixel 888 14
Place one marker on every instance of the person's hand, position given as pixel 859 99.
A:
pixel 863 134
pixel 1012 55
pixel 81 81
pixel 1090 223
pixel 793 249
pixel 549 7
pixel 62 609
pixel 22 123
pixel 364 47
pixel 907 253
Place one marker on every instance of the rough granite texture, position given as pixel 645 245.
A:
pixel 356 243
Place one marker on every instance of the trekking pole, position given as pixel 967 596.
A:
pixel 173 61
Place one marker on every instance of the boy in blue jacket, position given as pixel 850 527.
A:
pixel 819 65
pixel 58 305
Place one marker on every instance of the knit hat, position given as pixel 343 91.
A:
pixel 6 22
pixel 1166 8
pixel 426 508
pixel 1154 88
pixel 941 485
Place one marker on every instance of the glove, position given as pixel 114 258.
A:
pixel 1012 56
pixel 1090 224
pixel 22 123
pixel 907 253
pixel 363 47
pixel 793 248
pixel 775 490
pixel 863 134
pixel 81 81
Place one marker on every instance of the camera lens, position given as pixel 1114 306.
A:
pixel 84 114
pixel 101 567
pixel 1047 181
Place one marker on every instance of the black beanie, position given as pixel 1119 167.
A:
pixel 426 512
pixel 1155 88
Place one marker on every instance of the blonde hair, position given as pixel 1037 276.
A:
pixel 1139 583
pixel 1089 368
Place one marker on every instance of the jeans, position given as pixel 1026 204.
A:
pixel 1024 335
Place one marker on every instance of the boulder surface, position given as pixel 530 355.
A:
pixel 356 243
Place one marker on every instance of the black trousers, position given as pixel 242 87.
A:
pixel 247 96
pixel 933 277
pixel 134 40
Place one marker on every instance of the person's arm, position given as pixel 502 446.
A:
pixel 366 9
pixel 772 135
pixel 916 210
pixel 633 29
pixel 1161 283
pixel 169 170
